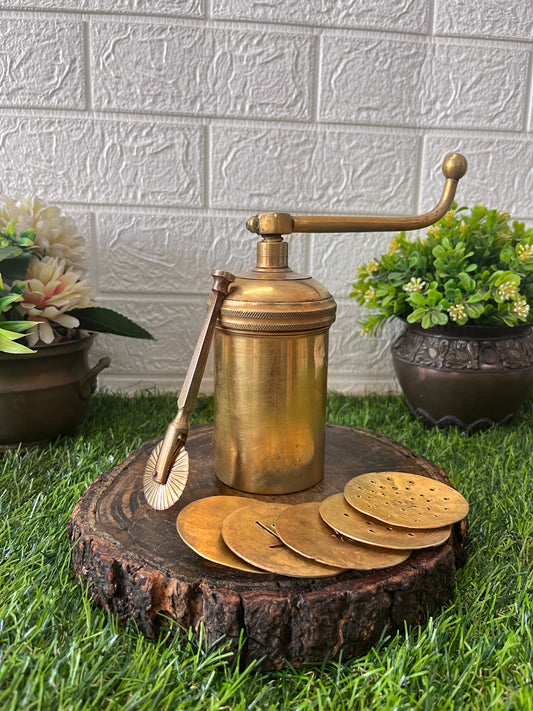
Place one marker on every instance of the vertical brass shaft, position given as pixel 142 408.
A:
pixel 178 429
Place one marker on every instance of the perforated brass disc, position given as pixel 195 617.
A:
pixel 250 533
pixel 199 526
pixel 349 522
pixel 404 499
pixel 302 529
pixel 163 496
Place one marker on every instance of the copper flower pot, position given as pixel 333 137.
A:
pixel 469 376
pixel 45 394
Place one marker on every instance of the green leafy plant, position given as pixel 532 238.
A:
pixel 43 297
pixel 470 268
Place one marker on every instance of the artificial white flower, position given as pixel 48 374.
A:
pixel 525 252
pixel 56 235
pixel 507 290
pixel 52 289
pixel 415 285
pixel 521 308
pixel 457 312
pixel 369 294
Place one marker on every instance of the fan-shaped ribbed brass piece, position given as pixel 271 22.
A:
pixel 250 532
pixel 303 530
pixel 163 496
pixel 404 499
pixel 353 524
pixel 199 526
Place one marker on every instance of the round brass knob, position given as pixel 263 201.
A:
pixel 454 166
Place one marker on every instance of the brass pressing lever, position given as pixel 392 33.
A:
pixel 167 469
pixel 281 223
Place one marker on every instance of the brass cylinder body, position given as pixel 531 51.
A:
pixel 271 356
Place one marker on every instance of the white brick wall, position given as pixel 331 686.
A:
pixel 162 125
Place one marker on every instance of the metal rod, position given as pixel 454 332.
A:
pixel 274 223
pixel 178 429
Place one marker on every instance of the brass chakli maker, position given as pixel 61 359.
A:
pixel 271 355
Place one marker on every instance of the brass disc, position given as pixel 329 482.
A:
pixel 163 496
pixel 404 499
pixel 302 529
pixel 250 533
pixel 349 522
pixel 199 526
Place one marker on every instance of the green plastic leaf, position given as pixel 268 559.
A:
pixel 11 229
pixel 17 326
pixel 8 337
pixel 9 251
pixel 416 298
pixel 7 346
pixel 15 269
pixel 26 238
pixel 102 320
pixel 426 321
pixel 8 300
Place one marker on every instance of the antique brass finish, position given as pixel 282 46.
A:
pixel 199 525
pixel 162 475
pixel 250 532
pixel 281 223
pixel 403 499
pixel 353 524
pixel 271 349
pixel 302 529
pixel 271 346
pixel 162 496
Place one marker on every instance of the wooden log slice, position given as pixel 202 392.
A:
pixel 137 566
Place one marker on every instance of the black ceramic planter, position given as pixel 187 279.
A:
pixel 469 376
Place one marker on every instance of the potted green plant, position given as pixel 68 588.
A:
pixel 464 292
pixel 48 319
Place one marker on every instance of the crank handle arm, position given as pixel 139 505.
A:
pixel 281 223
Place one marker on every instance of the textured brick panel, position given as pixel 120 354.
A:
pixel 41 63
pixel 192 70
pixel 371 80
pixel 361 357
pixel 175 325
pixel 173 8
pixel 489 18
pixel 476 86
pixel 499 173
pixel 400 15
pixel 111 162
pixel 269 169
pixel 335 257
pixel 46 4
pixel 409 83
pixel 174 254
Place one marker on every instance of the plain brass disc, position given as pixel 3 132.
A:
pixel 163 496
pixel 302 529
pixel 408 500
pixel 199 526
pixel 250 533
pixel 349 522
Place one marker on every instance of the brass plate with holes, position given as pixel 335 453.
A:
pixel 349 522
pixel 302 529
pixel 250 532
pixel 199 526
pixel 404 499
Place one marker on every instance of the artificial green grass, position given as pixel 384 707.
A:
pixel 58 651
